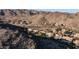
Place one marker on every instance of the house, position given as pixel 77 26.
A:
pixel 35 31
pixel 76 35
pixel 67 38
pixel 29 29
pixel 49 34
pixel 76 41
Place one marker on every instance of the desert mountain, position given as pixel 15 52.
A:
pixel 21 28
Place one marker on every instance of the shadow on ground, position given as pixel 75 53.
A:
pixel 22 40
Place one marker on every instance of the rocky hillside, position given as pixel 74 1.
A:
pixel 38 29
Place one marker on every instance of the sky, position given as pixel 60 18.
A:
pixel 61 10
